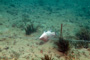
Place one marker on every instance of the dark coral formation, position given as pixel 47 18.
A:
pixel 63 45
pixel 30 29
pixel 46 57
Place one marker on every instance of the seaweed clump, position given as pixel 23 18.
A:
pixel 46 57
pixel 30 29
pixel 84 35
pixel 63 45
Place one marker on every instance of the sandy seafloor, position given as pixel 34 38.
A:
pixel 15 44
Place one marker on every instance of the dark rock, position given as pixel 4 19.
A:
pixel 6 48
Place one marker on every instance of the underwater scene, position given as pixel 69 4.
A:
pixel 44 29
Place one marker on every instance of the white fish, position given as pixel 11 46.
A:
pixel 47 35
